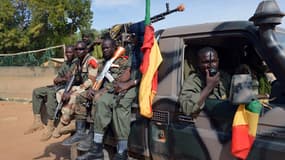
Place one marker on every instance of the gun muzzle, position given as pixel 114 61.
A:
pixel 180 8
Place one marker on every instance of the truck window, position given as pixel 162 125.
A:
pixel 233 51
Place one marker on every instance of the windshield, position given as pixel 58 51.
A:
pixel 281 38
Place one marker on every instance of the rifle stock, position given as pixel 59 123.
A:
pixel 119 52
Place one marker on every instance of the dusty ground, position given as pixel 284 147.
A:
pixel 15 117
pixel 17 84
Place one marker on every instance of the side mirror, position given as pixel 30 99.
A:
pixel 242 90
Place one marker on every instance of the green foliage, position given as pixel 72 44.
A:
pixel 34 24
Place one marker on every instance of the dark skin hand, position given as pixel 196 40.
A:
pixel 212 82
pixel 122 86
pixel 90 93
pixel 66 97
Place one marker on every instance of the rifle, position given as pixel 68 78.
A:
pixel 66 90
pixel 104 73
pixel 123 32
pixel 161 16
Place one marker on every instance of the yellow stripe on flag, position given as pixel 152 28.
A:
pixel 240 116
pixel 252 122
pixel 146 94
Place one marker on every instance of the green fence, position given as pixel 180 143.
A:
pixel 31 58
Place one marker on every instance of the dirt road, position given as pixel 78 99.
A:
pixel 14 145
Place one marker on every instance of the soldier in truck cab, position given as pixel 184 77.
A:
pixel 207 82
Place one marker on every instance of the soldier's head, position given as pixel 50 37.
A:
pixel 69 53
pixel 87 37
pixel 207 58
pixel 108 47
pixel 81 49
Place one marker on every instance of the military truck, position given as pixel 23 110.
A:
pixel 170 134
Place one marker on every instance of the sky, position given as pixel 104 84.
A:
pixel 107 13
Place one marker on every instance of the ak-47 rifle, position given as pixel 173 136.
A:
pixel 66 90
pixel 105 72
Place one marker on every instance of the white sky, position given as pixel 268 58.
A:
pixel 110 12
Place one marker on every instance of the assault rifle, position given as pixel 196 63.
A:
pixel 66 90
pixel 105 72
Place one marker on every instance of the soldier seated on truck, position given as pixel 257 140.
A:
pixel 206 82
pixel 113 105
pixel 47 95
pixel 85 75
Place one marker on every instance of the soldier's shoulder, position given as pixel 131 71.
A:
pixel 92 61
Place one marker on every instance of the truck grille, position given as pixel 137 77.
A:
pixel 161 116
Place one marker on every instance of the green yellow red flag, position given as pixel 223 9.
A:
pixel 151 61
pixel 244 128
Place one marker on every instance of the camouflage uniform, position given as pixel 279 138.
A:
pixel 192 87
pixel 47 94
pixel 82 83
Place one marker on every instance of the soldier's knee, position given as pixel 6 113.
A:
pixel 66 115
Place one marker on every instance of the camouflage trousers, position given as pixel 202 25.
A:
pixel 83 108
pixel 44 96
pixel 116 109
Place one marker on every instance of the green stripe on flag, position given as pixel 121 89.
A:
pixel 147 12
pixel 254 106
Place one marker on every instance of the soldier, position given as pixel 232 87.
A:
pixel 201 85
pixel 113 104
pixel 47 95
pixel 85 77
pixel 94 46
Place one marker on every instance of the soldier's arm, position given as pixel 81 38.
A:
pixel 190 95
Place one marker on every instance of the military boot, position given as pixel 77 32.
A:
pixel 122 148
pixel 56 133
pixel 48 133
pixel 95 152
pixel 62 129
pixel 79 133
pixel 85 144
pixel 36 126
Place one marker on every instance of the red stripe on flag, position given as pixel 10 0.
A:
pixel 146 48
pixel 241 141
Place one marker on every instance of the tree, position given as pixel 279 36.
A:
pixel 34 24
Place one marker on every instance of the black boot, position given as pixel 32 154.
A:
pixel 121 156
pixel 85 144
pixel 95 152
pixel 79 133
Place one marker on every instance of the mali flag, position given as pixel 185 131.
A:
pixel 151 61
pixel 244 128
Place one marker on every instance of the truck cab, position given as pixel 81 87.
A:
pixel 170 134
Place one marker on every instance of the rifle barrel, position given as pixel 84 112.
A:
pixel 161 16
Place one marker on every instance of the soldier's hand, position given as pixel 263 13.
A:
pixel 66 97
pixel 213 81
pixel 90 94
pixel 57 80
pixel 68 76
pixel 121 86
